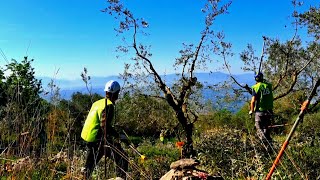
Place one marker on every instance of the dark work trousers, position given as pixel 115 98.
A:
pixel 114 152
pixel 262 123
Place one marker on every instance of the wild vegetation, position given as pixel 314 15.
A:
pixel 40 139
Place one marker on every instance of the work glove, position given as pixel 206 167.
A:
pixel 250 113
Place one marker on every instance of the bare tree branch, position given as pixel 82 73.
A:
pixel 184 67
pixel 290 89
pixel 197 52
pixel 295 76
pixel 195 115
pixel 305 66
pixel 157 77
pixel 279 81
pixel 191 81
pixel 246 86
pixel 287 57
pixel 284 75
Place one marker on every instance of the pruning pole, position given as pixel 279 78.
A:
pixel 105 138
pixel 135 150
pixel 131 145
pixel 262 54
pixel 299 118
pixel 278 125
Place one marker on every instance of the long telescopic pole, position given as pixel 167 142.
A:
pixel 131 145
pixel 299 118
pixel 105 138
pixel 262 54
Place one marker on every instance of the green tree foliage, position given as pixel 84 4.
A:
pixel 144 116
pixel 288 65
pixel 3 98
pixel 311 19
pixel 24 109
pixel 22 87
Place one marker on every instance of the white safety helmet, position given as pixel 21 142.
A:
pixel 112 86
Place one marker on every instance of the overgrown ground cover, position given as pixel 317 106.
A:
pixel 231 153
pixel 41 139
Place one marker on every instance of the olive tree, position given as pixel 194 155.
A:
pixel 182 94
pixel 291 66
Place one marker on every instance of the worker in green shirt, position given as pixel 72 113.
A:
pixel 262 105
pixel 100 135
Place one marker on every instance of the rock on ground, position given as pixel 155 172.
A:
pixel 185 169
pixel 117 178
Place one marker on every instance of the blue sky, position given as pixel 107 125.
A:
pixel 71 34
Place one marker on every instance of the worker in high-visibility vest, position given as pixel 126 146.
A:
pixel 262 105
pixel 162 136
pixel 98 131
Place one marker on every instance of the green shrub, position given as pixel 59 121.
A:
pixel 144 116
pixel 158 159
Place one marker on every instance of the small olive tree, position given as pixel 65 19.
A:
pixel 291 66
pixel 182 94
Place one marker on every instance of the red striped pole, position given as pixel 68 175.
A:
pixel 300 117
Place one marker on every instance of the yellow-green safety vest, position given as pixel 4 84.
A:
pixel 92 124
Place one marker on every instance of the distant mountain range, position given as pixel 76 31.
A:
pixel 68 87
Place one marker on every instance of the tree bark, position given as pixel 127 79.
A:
pixel 188 129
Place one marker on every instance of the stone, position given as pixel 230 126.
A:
pixel 117 178
pixel 184 164
pixel 185 169
pixel 168 175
